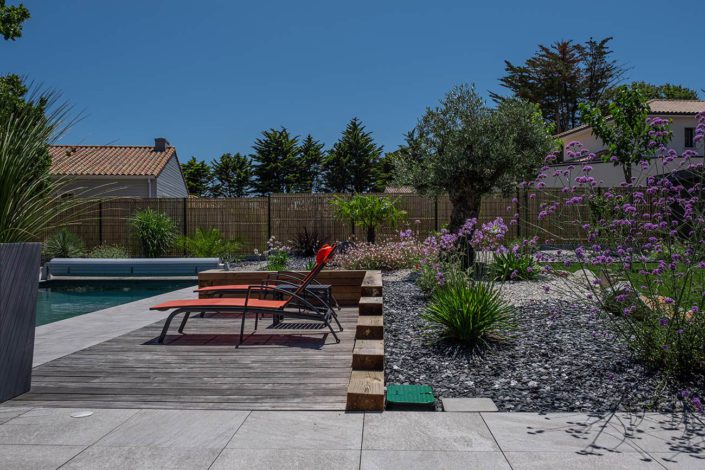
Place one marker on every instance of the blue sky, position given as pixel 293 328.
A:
pixel 210 75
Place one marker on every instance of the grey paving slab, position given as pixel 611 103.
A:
pixel 662 433
pixel 556 432
pixel 207 429
pixel 35 457
pixel 576 461
pixel 299 459
pixel 55 426
pixel 423 460
pixel 142 458
pixel 58 339
pixel 427 431
pixel 7 412
pixel 468 404
pixel 299 430
pixel 679 460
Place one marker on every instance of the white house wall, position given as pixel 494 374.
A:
pixel 108 187
pixel 678 125
pixel 170 183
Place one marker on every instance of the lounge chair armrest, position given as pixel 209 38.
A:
pixel 293 295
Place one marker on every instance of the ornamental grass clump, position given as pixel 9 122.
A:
pixel 156 232
pixel 470 312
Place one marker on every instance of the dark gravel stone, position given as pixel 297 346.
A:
pixel 559 358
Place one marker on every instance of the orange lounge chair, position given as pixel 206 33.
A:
pixel 289 304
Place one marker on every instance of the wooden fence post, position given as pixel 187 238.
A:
pixel 269 216
pixel 435 213
pixel 100 222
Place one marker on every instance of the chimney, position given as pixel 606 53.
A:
pixel 160 144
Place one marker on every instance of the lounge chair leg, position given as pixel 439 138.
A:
pixel 330 327
pixel 242 328
pixel 335 317
pixel 166 326
pixel 183 322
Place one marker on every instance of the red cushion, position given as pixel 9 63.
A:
pixel 214 304
pixel 323 254
pixel 242 287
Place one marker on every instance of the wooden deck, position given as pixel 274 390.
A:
pixel 295 369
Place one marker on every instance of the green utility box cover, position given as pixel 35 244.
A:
pixel 410 395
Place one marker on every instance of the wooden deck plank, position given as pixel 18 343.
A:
pixel 292 369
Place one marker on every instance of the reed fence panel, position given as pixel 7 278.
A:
pixel 253 220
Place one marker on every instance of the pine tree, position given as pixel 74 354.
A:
pixel 353 164
pixel 198 177
pixel 274 159
pixel 307 174
pixel 561 77
pixel 232 175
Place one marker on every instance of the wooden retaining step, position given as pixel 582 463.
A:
pixel 366 391
pixel 372 284
pixel 370 327
pixel 371 305
pixel 368 354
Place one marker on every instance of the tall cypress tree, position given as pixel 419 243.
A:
pixel 353 164
pixel 307 175
pixel 232 175
pixel 274 159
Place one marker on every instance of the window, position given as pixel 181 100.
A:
pixel 689 134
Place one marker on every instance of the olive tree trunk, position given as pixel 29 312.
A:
pixel 466 205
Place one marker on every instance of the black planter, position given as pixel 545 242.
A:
pixel 19 275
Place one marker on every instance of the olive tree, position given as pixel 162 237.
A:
pixel 466 149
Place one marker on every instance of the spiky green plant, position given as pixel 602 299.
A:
pixel 156 232
pixel 63 244
pixel 31 201
pixel 469 312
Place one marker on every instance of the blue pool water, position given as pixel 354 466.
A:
pixel 58 300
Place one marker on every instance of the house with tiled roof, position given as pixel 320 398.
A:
pixel 683 117
pixel 118 171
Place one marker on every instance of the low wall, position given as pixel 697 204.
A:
pixel 347 286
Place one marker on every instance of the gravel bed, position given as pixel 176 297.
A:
pixel 560 356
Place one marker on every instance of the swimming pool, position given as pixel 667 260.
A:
pixel 61 299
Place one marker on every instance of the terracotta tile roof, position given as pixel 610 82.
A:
pixel 678 107
pixel 109 160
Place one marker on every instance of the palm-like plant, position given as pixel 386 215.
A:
pixel 368 211
pixel 208 244
pixel 31 201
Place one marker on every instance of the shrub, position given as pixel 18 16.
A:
pixel 368 211
pixel 471 313
pixel 404 253
pixel 63 244
pixel 276 254
pixel 515 264
pixel 109 251
pixel 155 231
pixel 208 244
pixel 307 242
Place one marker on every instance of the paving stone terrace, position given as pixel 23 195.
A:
pixel 299 368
